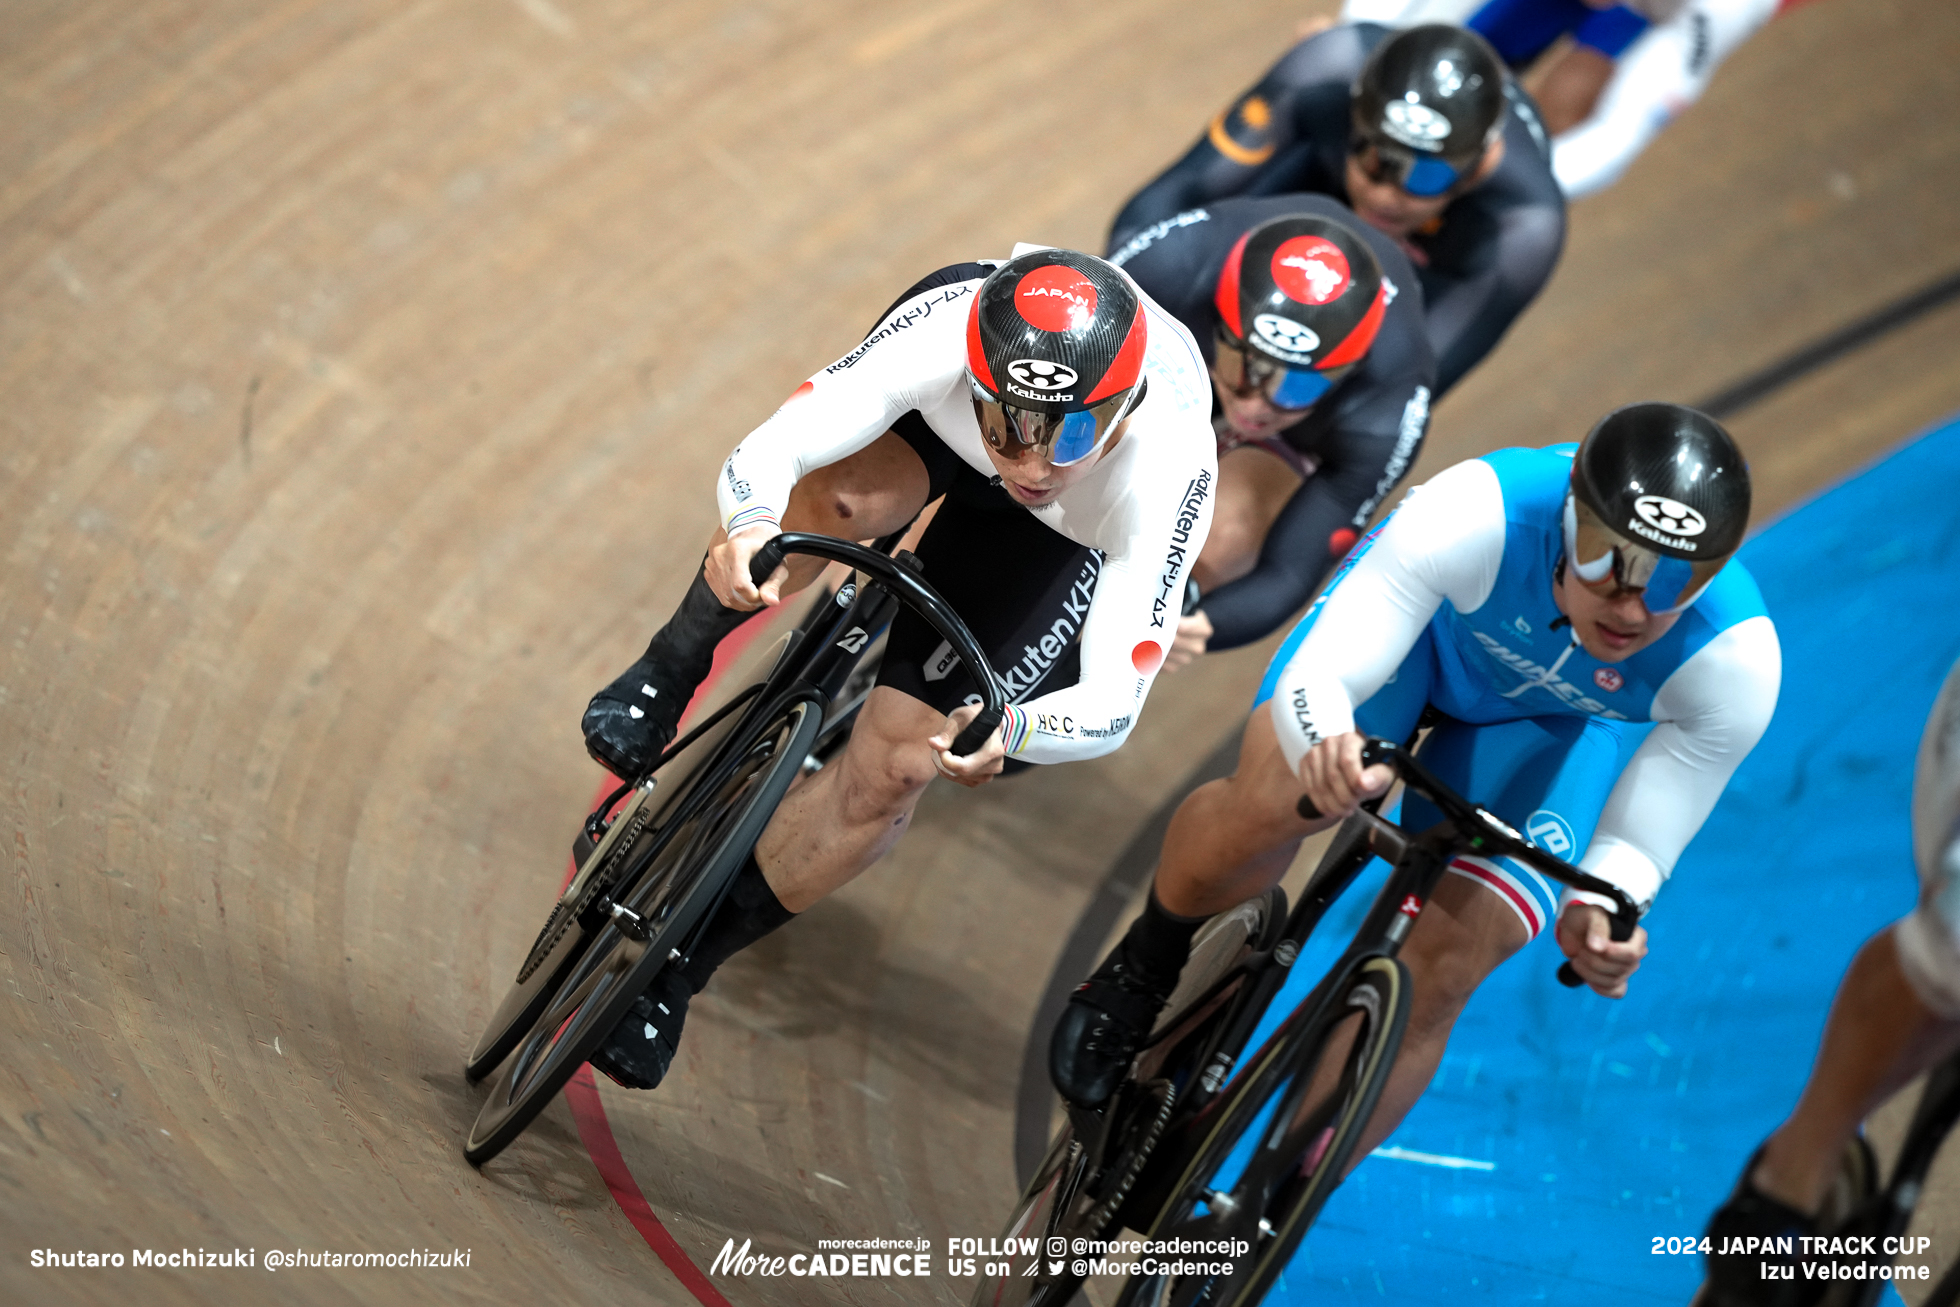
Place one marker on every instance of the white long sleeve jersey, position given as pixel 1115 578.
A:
pixel 1145 506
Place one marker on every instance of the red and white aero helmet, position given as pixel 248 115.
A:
pixel 1299 302
pixel 1054 354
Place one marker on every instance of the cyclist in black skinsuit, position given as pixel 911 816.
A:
pixel 1426 138
pixel 1345 451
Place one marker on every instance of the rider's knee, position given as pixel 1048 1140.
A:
pixel 1928 947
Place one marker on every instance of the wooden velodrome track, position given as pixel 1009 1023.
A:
pixel 365 370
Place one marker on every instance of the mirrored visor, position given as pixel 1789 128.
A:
pixel 1059 438
pixel 1422 175
pixel 1244 371
pixel 1603 561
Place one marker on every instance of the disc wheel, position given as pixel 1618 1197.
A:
pixel 1280 1141
pixel 637 832
pixel 669 897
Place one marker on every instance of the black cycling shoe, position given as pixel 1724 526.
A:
pixel 641 1047
pixel 1737 1263
pixel 630 722
pixel 1106 1021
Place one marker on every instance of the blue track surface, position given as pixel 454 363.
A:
pixel 1604 1124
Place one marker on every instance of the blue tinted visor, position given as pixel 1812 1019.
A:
pixel 1429 176
pixel 1060 438
pixel 1298 387
pixel 1419 174
pixel 1606 561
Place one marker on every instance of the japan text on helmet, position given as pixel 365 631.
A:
pixel 1659 502
pixel 1299 302
pixel 1425 106
pixel 1054 354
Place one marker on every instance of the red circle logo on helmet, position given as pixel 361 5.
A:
pixel 1311 269
pixel 1056 297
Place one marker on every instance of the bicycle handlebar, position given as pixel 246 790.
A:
pixel 1486 833
pixel 912 591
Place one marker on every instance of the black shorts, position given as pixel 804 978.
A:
pixel 1022 588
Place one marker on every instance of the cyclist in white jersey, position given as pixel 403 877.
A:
pixel 1066 419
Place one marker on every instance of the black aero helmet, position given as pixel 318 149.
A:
pixel 1054 354
pixel 1425 106
pixel 1659 502
pixel 1300 299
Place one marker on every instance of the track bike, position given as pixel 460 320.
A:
pixel 1199 1145
pixel 658 855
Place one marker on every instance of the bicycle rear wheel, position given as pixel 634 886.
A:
pixel 1080 1186
pixel 1279 1143
pixel 666 899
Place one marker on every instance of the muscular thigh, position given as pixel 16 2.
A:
pixel 1253 486
pixel 869 494
pixel 1547 776
pixel 1021 588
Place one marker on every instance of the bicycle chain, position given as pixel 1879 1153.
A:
pixel 1102 1213
pixel 563 914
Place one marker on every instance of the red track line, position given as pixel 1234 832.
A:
pixel 582 1094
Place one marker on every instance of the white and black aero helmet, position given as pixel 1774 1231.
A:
pixel 1659 502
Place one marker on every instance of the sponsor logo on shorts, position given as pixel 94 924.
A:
pixel 1550 832
pixel 1039 657
pixel 1171 580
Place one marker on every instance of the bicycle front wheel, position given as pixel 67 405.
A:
pixel 665 901
pixel 1280 1143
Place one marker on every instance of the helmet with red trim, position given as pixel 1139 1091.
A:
pixel 1659 502
pixel 1054 355
pixel 1299 301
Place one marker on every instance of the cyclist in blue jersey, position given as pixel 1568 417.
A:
pixel 1540 600
pixel 1897 1013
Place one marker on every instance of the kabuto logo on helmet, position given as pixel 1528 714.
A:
pixel 1311 270
pixel 1415 125
pixel 1669 515
pixel 1056 298
pixel 1042 376
pixel 1287 337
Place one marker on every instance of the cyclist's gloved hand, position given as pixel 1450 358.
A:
pixel 1193 635
pixel 1586 937
pixel 727 569
pixel 978 767
pixel 1334 778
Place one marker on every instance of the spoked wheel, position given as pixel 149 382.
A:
pixel 1280 1142
pixel 644 822
pixel 1095 1159
pixel 656 913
